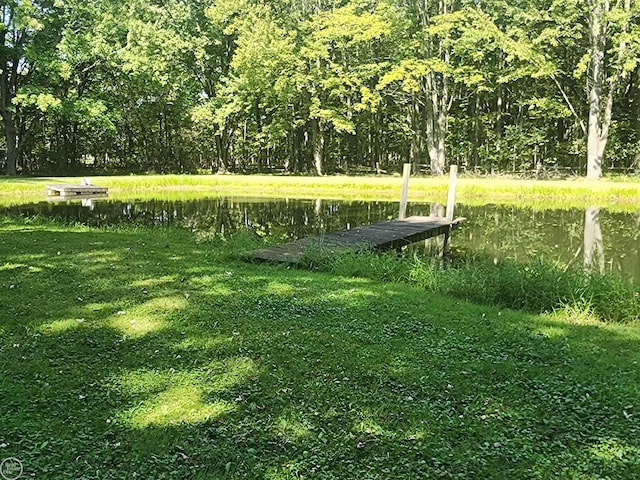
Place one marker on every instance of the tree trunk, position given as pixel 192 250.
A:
pixel 223 166
pixel 473 159
pixel 437 167
pixel 8 77
pixel 11 143
pixel 300 156
pixel 601 105
pixel 436 92
pixel 289 152
pixel 415 148
pixel 436 111
pixel 318 145
pixel 595 140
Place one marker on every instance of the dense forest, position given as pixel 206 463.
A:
pixel 320 86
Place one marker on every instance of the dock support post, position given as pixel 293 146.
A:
pixel 406 173
pixel 451 199
pixel 446 247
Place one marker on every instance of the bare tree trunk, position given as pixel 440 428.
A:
pixel 288 154
pixel 601 104
pixel 436 113
pixel 223 150
pixel 430 131
pixel 8 82
pixel 437 167
pixel 318 145
pixel 597 130
pixel 415 148
pixel 436 93
pixel 300 155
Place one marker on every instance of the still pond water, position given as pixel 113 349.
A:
pixel 602 240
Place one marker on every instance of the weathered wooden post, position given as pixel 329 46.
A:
pixel 451 201
pixel 406 173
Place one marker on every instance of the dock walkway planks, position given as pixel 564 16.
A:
pixel 379 236
pixel 74 190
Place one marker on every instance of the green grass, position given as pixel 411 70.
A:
pixel 152 353
pixel 621 193
pixel 538 286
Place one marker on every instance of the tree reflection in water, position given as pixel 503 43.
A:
pixel 593 242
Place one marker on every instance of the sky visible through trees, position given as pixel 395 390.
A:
pixel 320 86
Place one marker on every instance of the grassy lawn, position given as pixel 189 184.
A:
pixel 134 353
pixel 622 193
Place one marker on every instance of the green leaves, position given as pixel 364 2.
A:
pixel 42 101
pixel 349 27
pixel 190 84
pixel 27 16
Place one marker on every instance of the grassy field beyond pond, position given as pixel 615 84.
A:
pixel 134 353
pixel 621 194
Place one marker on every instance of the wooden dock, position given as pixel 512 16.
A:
pixel 75 190
pixel 393 234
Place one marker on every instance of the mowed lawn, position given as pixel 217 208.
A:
pixel 162 353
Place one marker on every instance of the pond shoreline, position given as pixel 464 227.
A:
pixel 592 236
pixel 621 195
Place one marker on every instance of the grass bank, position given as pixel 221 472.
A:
pixel 619 194
pixel 538 286
pixel 136 353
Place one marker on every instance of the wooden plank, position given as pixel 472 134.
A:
pixel 74 190
pixel 379 236
pixel 406 173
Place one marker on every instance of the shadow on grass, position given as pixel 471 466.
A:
pixel 142 354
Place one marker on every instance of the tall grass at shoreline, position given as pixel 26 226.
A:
pixel 620 194
pixel 538 287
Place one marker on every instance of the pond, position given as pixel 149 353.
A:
pixel 606 241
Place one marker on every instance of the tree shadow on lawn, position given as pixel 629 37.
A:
pixel 143 354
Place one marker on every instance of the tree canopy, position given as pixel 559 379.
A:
pixel 322 86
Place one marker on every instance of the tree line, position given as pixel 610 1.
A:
pixel 320 86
